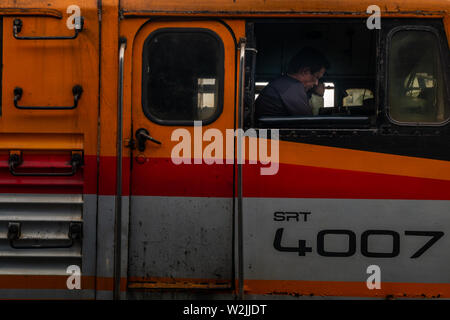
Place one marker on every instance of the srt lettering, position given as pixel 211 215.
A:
pixel 290 216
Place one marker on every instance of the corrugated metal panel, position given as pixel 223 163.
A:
pixel 45 218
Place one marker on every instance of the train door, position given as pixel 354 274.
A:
pixel 181 204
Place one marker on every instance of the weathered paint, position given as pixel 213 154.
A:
pixel 285 7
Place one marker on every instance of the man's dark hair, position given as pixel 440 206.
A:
pixel 308 58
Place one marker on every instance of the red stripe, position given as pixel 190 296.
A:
pixel 84 181
pixel 108 173
pixel 293 181
pixel 126 172
pixel 107 176
pixel 160 177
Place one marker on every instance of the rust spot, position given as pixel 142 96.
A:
pixel 31 12
pixel 282 293
pixel 177 283
pixel 134 13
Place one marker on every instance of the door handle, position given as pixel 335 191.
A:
pixel 142 135
pixel 14 232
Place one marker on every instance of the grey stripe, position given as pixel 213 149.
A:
pixel 262 261
pixel 89 234
pixel 181 237
pixel 105 236
pixel 104 295
pixel 46 294
pixel 124 232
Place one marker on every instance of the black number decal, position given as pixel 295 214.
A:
pixel 321 243
pixel 395 244
pixel 302 249
pixel 435 236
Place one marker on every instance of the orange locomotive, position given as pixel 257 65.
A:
pixel 96 90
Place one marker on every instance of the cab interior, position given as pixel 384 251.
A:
pixel 350 83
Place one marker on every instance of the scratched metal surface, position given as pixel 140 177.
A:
pixel 180 237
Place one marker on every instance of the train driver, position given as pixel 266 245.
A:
pixel 287 95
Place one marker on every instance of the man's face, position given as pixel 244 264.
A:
pixel 309 80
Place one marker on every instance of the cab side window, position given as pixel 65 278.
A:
pixel 182 76
pixel 344 96
pixel 395 76
pixel 416 87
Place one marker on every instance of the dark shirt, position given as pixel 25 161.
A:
pixel 284 96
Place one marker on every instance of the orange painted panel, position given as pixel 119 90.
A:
pixel 281 6
pixel 47 70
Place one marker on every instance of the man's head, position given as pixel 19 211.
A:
pixel 308 66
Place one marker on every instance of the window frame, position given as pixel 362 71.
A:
pixel 220 76
pixel 445 69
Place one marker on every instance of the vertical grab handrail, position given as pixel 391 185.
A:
pixel 118 215
pixel 242 43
